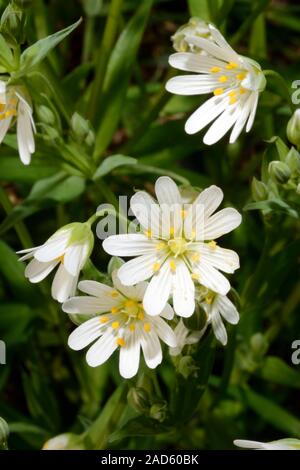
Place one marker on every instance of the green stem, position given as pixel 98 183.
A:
pixel 104 51
pixel 20 228
pixel 281 81
pixel 88 38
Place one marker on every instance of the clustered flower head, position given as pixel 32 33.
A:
pixel 175 249
pixel 234 80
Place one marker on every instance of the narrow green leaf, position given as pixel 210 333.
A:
pixel 277 371
pixel 110 163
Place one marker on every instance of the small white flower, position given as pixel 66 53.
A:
pixel 177 246
pixel 234 80
pixel 281 444
pixel 195 27
pixel 69 249
pixel 217 308
pixel 184 336
pixel 14 105
pixel 121 322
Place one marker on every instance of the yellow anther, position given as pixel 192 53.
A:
pixel 120 342
pixel 103 319
pixel 13 101
pixel 232 99
pixel 132 327
pixel 183 213
pixel 2 116
pixel 114 310
pixel 231 65
pixel 141 316
pixel 218 91
pixel 61 259
pixel 195 257
pixel 171 231
pixel 212 244
pixel 114 293
pixel 115 325
pixel 209 299
pixel 232 93
pixel 156 267
pixel 242 90
pixel 172 265
pixel 240 76
pixel 2 107
pixel 195 276
pixel 130 303
pixel 147 327
pixel 10 112
pixel 223 78
pixel 215 69
pixel 148 233
pixel 160 245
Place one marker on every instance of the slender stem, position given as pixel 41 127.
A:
pixel 281 81
pixel 88 38
pixel 104 51
pixel 20 228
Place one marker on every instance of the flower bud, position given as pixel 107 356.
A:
pixel 138 398
pixel 159 410
pixel 12 23
pixel 90 138
pixel 259 190
pixel 66 441
pixel 4 433
pixel 279 172
pixel 80 126
pixel 293 160
pixel 293 128
pixel 259 345
pixel 46 115
pixel 195 27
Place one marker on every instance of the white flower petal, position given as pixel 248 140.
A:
pixel 222 125
pixel 96 289
pixel 36 271
pixel 167 191
pixel 88 305
pixel 183 291
pixel 4 126
pixel 75 257
pixel 167 312
pixel 253 111
pixel 227 309
pixel 158 291
pixel 138 269
pixel 191 62
pixel 222 222
pixel 63 285
pixel 212 278
pixel 222 43
pixel 25 137
pixel 164 331
pixel 131 244
pixel 130 356
pixel 127 291
pixel 101 351
pixel 147 211
pixel 220 258
pixel 192 84
pixel 53 248
pixel 241 121
pixel 205 114
pixel 218 327
pixel 85 334
pixel 151 348
pixel 213 49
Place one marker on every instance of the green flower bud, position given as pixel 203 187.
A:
pixel 12 23
pixel 66 441
pixel 80 126
pixel 4 433
pixel 92 7
pixel 139 399
pixel 46 115
pixel 293 128
pixel 159 410
pixel 80 233
pixel 90 138
pixel 259 190
pixel 279 172
pixel 195 27
pixel 259 345
pixel 293 160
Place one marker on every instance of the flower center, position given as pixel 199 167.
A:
pixel 133 309
pixel 177 246
pixel 8 109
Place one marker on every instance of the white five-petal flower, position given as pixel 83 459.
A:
pixel 217 308
pixel 176 247
pixel 121 322
pixel 281 444
pixel 13 104
pixel 69 249
pixel 234 80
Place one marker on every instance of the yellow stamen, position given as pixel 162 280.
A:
pixel 114 310
pixel 61 259
pixel 223 78
pixel 183 213
pixel 160 246
pixel 156 267
pixel 132 327
pixel 218 91
pixel 172 265
pixel 114 293
pixel 231 65
pixel 209 299
pixel 120 342
pixel 115 325
pixel 212 244
pixel 147 327
pixel 195 257
pixel 141 316
pixel 242 90
pixel 232 93
pixel 215 69
pixel 10 112
pixel 130 303
pixel 148 233
pixel 195 276
pixel 240 76
pixel 2 107
pixel 232 99
pixel 2 116
pixel 103 319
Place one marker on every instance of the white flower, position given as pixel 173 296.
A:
pixel 195 27
pixel 281 444
pixel 234 80
pixel 218 307
pixel 13 104
pixel 177 246
pixel 121 322
pixel 69 249
pixel 184 336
